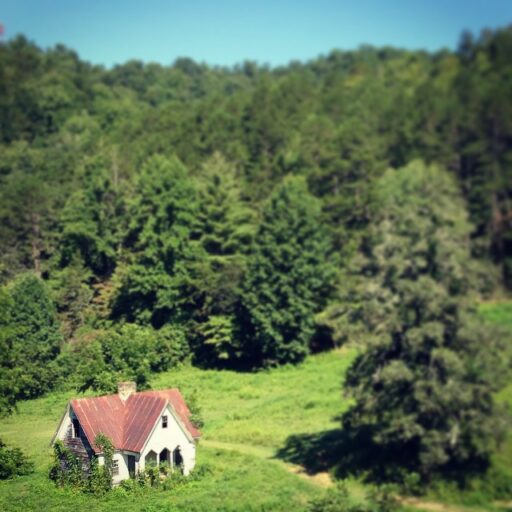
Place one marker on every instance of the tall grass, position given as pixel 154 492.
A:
pixel 249 415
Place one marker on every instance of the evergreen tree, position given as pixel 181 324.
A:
pixel 226 222
pixel 289 277
pixel 158 282
pixel 264 131
pixel 423 387
pixel 90 223
pixel 227 228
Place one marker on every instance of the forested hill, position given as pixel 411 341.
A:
pixel 220 206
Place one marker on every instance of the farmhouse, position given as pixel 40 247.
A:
pixel 146 428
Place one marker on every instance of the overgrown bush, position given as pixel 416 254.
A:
pixel 13 462
pixel 67 469
pixel 163 477
pixel 100 478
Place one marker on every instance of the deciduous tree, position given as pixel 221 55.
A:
pixel 423 386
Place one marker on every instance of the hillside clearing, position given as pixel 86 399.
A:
pixel 248 418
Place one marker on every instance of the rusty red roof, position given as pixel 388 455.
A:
pixel 129 423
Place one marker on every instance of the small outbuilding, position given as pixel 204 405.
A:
pixel 146 428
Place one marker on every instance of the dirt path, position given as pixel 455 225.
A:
pixel 433 506
pixel 323 479
pixel 320 479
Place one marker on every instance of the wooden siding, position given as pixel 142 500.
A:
pixel 79 446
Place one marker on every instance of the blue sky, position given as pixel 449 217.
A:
pixel 226 32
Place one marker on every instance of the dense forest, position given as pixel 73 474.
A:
pixel 245 217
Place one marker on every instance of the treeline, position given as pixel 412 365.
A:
pixel 236 216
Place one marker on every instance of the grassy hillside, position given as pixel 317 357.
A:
pixel 257 411
pixel 248 418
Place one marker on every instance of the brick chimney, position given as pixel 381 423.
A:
pixel 125 389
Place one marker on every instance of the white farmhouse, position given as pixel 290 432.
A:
pixel 146 428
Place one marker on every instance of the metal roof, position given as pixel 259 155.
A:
pixel 128 424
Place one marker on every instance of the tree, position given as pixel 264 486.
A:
pixel 157 283
pixel 218 339
pixel 423 387
pixel 225 220
pixel 36 340
pixel 90 223
pixel 264 133
pixel 25 208
pixel 227 226
pixel 289 277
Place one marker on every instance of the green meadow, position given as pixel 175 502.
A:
pixel 248 419
pixel 248 416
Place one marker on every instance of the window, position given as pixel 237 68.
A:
pixel 164 421
pixel 164 459
pixel 150 459
pixel 115 467
pixel 76 428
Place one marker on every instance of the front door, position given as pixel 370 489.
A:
pixel 131 466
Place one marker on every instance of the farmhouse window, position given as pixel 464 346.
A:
pixel 164 421
pixel 115 467
pixel 76 428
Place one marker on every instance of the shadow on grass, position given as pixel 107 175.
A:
pixel 345 453
pixel 337 451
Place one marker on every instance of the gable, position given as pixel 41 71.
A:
pixel 174 426
pixel 179 406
